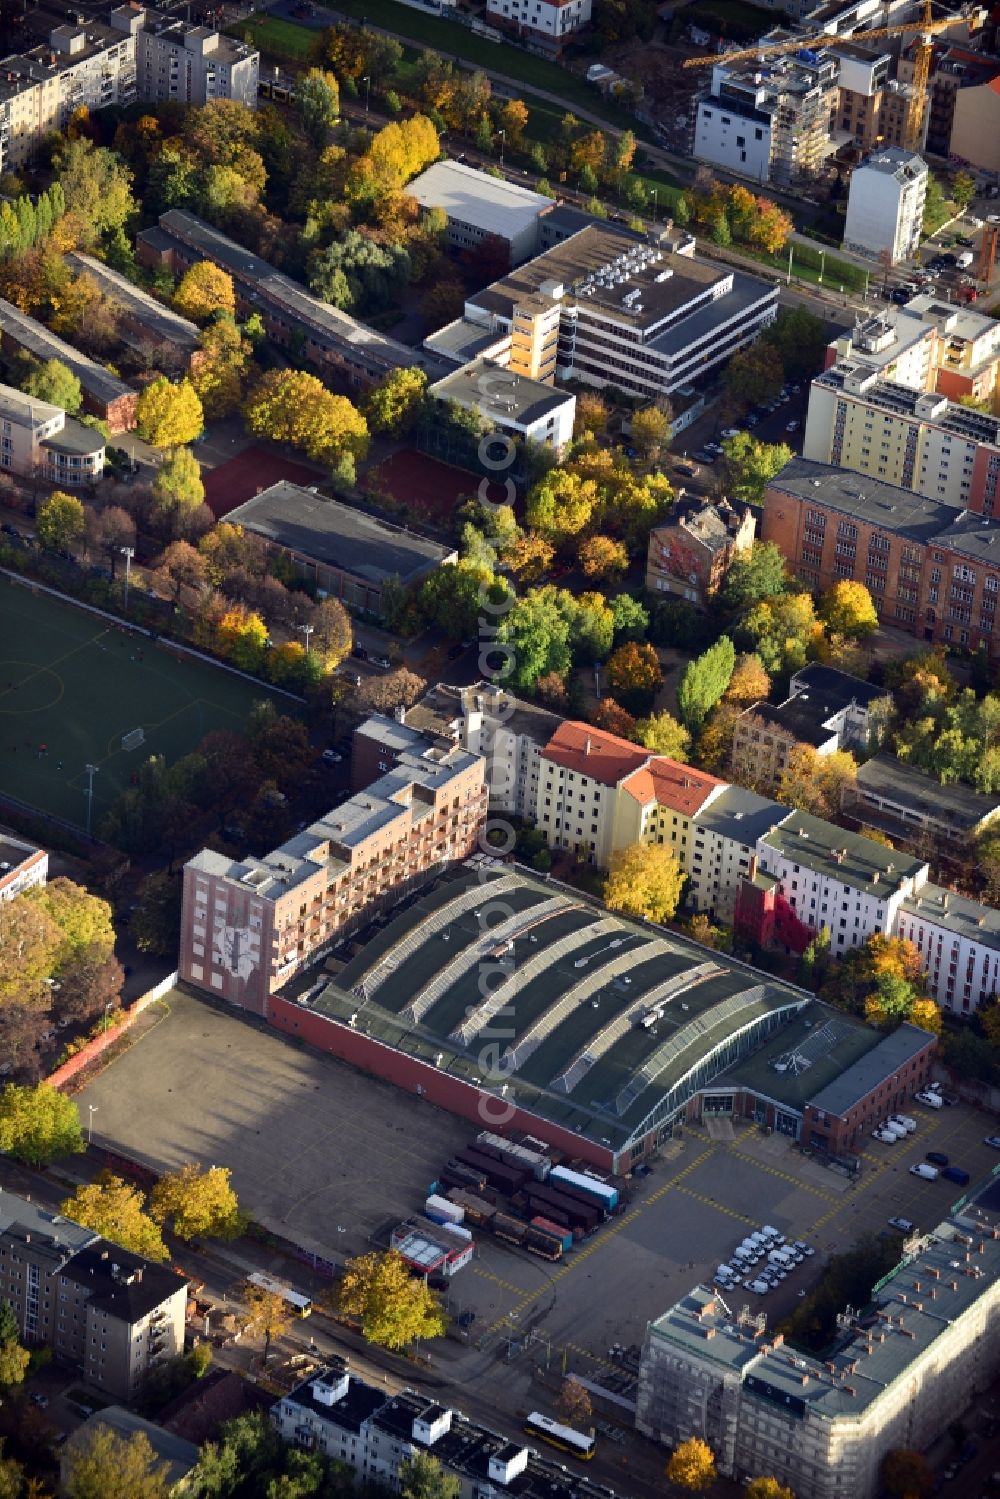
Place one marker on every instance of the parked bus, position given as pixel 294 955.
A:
pixel 301 1305
pixel 563 1437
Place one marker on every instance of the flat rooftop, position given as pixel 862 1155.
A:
pixel 741 815
pixel 36 339
pixel 891 161
pixel 161 321
pixel 462 340
pixel 964 917
pixel 329 531
pixel 893 780
pixel 854 1084
pixel 498 395
pixel 848 858
pixel 474 197
pixel 917 405
pixel 607 1018
pixel 804 1057
pixel 865 498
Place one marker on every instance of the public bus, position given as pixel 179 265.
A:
pixel 301 1305
pixel 563 1437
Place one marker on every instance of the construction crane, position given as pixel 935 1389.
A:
pixel 973 17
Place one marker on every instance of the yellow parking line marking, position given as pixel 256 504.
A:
pixel 719 1207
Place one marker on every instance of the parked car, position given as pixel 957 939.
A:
pixel 792 427
pixel 965 240
pixel 932 1100
pixel 955 1174
pixel 993 1141
pixel 936 1158
pixel 908 1123
pixel 804 1248
pixel 731 432
pixel 9 530
pixel 688 471
pixel 885 1135
pixel 903 1224
pixel 332 757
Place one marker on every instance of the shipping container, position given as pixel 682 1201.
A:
pixel 510 1229
pixel 514 1154
pixel 543 1199
pixel 598 1190
pixel 557 1230
pixel 466 1174
pixel 545 1245
pixel 566 1193
pixel 458 1231
pixel 506 1178
pixel 533 1206
pixel 440 1210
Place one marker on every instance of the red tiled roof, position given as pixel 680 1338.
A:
pixel 672 785
pixel 591 752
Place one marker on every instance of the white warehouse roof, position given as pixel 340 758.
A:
pixel 475 198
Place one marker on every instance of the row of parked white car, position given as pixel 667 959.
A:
pixel 896 1127
pixel 779 1257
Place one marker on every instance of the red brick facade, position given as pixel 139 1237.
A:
pixel 836 1133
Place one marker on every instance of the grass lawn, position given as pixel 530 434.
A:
pixel 280 38
pixel 74 682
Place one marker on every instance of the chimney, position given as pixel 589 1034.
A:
pixel 586 745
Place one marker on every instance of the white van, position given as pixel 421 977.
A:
pixel 932 1100
pixel 928 1173
pixel 885 1135
pixel 964 260
pixel 905 1120
pixel 895 1127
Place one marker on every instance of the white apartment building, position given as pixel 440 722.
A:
pixel 22 865
pixel 607 309
pixel 509 734
pixel 909 438
pixel 527 409
pixel 547 21
pixel 770 125
pixel 727 830
pixel 928 345
pixel 959 941
pixel 823 1427
pixel 885 205
pixel 191 64
pixel 38 440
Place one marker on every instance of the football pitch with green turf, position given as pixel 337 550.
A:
pixel 79 685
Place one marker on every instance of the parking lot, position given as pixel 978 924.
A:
pixel 326 1156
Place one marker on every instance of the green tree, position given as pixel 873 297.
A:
pixel 392 1307
pixel 84 920
pixel 750 465
pixel 963 189
pixel 645 879
pixel 317 103
pixel 168 415
pixel 650 429
pixel 753 376
pixel 392 406
pixel 197 1204
pixel 800 338
pixel 14 1361
pixel 55 382
pixel 359 274
pixel 703 682
pixel 753 576
pixel 178 488
pixel 97 187
pixel 536 632
pixel 421 1476
pixel 294 407
pixel 60 521
pixel 39 1124
pixel 115 1209
pixel 784 629
pixel 30 942
pixel 935 205
pixel 204 291
pixel 692 1465
pixel 663 735
pixel 100 1464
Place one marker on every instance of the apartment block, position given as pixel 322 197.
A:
pixel 104 394
pixel 769 124
pixel 372 1432
pixel 22 865
pixel 248 925
pixel 526 409
pixel 338 344
pixel 919 441
pixel 544 24
pixel 111 1314
pixel 508 732
pixel 822 1427
pixel 605 308
pixel 726 832
pixel 39 441
pixel 176 61
pixel 826 709
pixel 905 802
pixel 885 205
pixel 928 345
pixel 689 555
pixel 871 106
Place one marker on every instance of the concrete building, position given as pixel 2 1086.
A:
pixel 526 409
pixel 904 802
pixel 607 309
pixel 931 567
pixel 336 1413
pixel 508 732
pixel 840 1117
pixel 689 554
pixel 104 395
pixel 177 1456
pixel 928 345
pixel 545 25
pixel 822 1428
pixel 919 441
pixel 480 207
pixel 975 131
pixel 871 106
pixel 39 441
pixel 22 865
pixel 959 941
pixel 152 329
pixel 347 553
pixel 885 205
pixel 955 70
pixel 176 61
pixel 826 709
pixel 724 839
pixel 341 347
pixel 248 925
pixel 111 1314
pixel 770 125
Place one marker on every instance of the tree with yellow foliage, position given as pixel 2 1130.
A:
pixel 241 636
pixel 817 783
pixel 692 1465
pixel 116 1210
pixel 634 668
pixel 197 1204
pixel 268 1315
pixel 205 290
pixel 295 407
pixel 766 1488
pixel 528 556
pixel 393 1308
pixel 645 879
pixel 561 504
pixel 168 415
pixel 847 609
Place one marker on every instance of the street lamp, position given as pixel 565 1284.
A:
pixel 503 142
pixel 89 793
pixel 128 553
pixel 306 630
pixel 368 88
pixel 107 1007
pixel 90 1123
